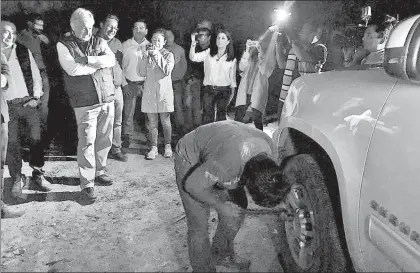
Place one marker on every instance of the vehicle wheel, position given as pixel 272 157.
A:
pixel 309 240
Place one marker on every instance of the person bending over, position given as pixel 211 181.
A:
pixel 213 164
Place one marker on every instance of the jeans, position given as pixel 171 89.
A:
pixel 165 119
pixel 135 91
pixel 193 103
pixel 119 104
pixel 204 256
pixel 95 128
pixel 179 104
pixel 19 117
pixel 215 96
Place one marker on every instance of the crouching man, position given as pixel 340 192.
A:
pixel 213 164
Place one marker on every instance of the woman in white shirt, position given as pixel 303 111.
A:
pixel 219 75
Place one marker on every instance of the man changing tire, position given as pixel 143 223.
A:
pixel 213 164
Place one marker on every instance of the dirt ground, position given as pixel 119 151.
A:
pixel 133 226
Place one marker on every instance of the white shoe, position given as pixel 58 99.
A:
pixel 168 151
pixel 153 153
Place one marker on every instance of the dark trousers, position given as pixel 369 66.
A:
pixel 203 255
pixel 129 109
pixel 21 118
pixel 179 105
pixel 215 97
pixel 256 116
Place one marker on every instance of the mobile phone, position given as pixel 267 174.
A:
pixel 254 43
pixel 366 13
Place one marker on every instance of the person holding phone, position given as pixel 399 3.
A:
pixel 158 94
pixel 219 75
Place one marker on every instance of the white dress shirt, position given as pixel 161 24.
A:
pixel 72 68
pixel 216 72
pixel 132 52
pixel 17 86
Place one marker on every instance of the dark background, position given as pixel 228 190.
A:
pixel 245 19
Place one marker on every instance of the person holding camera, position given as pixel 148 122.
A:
pixel 219 75
pixel 158 94
pixel 257 64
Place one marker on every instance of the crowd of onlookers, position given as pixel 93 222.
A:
pixel 104 78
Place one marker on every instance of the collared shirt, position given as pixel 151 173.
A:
pixel 33 43
pixel 132 63
pixel 180 61
pixel 17 86
pixel 116 47
pixel 94 62
pixel 217 72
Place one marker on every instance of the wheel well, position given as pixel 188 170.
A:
pixel 298 143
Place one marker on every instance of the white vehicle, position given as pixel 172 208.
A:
pixel 349 143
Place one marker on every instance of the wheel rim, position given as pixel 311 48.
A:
pixel 300 227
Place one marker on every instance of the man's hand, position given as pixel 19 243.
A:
pixel 231 209
pixel 44 39
pixel 32 103
pixel 81 60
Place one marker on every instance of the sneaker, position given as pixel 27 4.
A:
pixel 153 153
pixel 115 153
pixel 18 185
pixel 87 196
pixel 6 212
pixel 103 180
pixel 168 151
pixel 39 180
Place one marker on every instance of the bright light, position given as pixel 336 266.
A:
pixel 282 14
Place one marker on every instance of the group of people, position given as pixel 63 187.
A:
pixel 215 159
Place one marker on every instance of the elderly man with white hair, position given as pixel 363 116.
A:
pixel 87 61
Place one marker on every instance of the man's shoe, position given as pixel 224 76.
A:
pixel 117 155
pixel 168 151
pixel 7 213
pixel 18 184
pixel 103 180
pixel 87 196
pixel 41 182
pixel 153 153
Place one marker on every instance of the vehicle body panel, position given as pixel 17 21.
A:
pixel 338 110
pixel 392 180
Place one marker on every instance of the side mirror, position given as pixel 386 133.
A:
pixel 402 51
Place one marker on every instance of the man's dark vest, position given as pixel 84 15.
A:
pixel 22 54
pixel 87 90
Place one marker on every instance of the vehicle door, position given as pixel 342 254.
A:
pixel 389 216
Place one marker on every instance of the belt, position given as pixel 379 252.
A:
pixel 135 82
pixel 217 87
pixel 21 100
